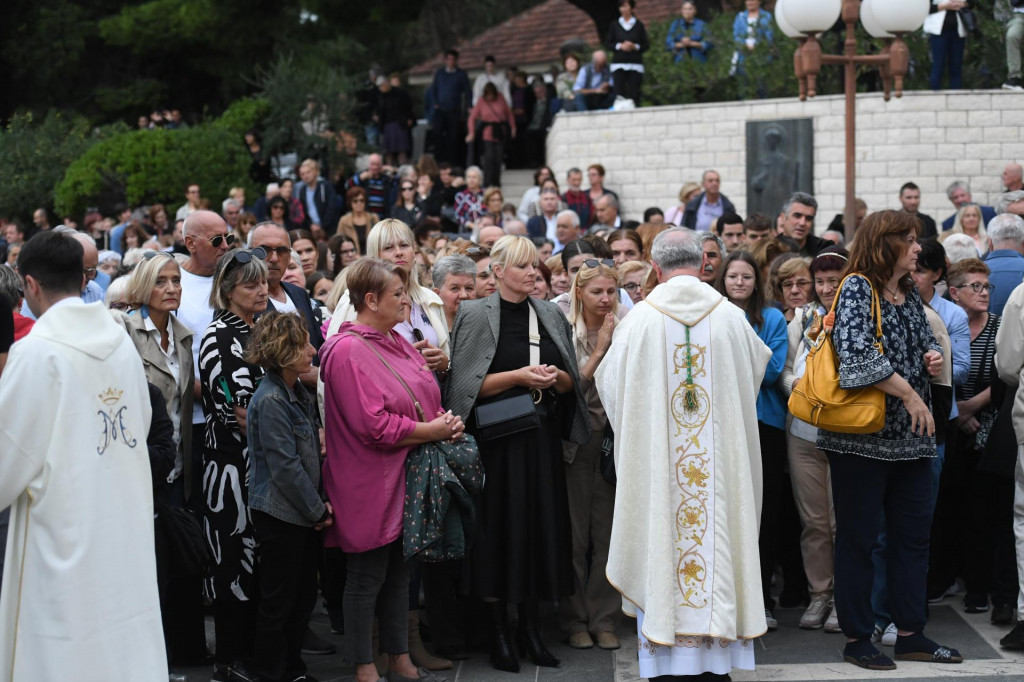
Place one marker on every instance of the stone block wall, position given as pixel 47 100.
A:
pixel 929 138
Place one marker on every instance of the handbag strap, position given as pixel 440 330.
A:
pixel 534 337
pixel 419 408
pixel 876 308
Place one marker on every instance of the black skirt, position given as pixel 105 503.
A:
pixel 523 545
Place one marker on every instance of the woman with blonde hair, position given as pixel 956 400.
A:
pixel 688 191
pixel 594 606
pixel 647 232
pixel 631 279
pixel 970 222
pixel 522 549
pixel 790 283
pixel 425 325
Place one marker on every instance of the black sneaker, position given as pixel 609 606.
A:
pixel 1013 84
pixel 238 672
pixel 1015 639
pixel 976 603
pixel 316 646
pixel 1003 614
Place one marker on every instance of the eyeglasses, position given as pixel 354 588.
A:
pixel 150 255
pixel 281 251
pixel 978 287
pixel 798 283
pixel 215 242
pixel 89 271
pixel 117 305
pixel 593 262
pixel 630 287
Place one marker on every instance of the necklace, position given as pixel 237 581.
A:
pixel 895 294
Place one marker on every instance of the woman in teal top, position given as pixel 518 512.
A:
pixel 740 282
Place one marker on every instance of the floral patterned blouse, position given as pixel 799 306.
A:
pixel 906 337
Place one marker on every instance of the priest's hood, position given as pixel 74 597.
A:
pixel 86 328
pixel 685 298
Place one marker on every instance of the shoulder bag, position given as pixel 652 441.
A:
pixel 515 414
pixel 818 399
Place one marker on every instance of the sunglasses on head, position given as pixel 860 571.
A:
pixel 593 262
pixel 243 257
pixel 150 255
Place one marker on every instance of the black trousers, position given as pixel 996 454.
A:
pixel 444 605
pixel 288 555
pixel 773 471
pixel 627 84
pixel 491 159
pixel 445 124
pixel 377 583
pixel 862 488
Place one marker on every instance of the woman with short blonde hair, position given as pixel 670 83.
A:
pixel 970 222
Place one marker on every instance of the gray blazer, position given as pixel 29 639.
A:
pixel 473 341
pixel 157 374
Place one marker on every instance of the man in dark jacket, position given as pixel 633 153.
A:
pixel 319 200
pixel 450 92
pixel 798 223
pixel 710 204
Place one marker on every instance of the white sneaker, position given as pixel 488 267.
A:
pixel 814 616
pixel 832 623
pixel 773 624
pixel 889 636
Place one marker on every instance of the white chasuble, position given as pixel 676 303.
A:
pixel 680 383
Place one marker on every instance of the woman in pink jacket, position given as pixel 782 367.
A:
pixel 372 423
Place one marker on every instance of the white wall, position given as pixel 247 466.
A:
pixel 929 138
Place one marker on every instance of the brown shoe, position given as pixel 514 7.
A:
pixel 607 640
pixel 580 640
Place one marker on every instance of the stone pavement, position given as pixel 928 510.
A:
pixel 787 655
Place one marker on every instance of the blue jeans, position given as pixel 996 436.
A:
pixel 947 48
pixel 879 590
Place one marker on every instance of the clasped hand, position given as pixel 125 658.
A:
pixel 538 376
pixel 447 426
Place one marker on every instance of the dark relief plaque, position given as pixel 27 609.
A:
pixel 780 161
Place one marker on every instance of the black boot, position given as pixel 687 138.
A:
pixel 503 655
pixel 529 637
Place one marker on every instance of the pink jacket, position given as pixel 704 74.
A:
pixel 367 412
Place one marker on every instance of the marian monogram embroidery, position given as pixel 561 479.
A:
pixel 112 420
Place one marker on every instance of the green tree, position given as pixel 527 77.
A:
pixel 34 153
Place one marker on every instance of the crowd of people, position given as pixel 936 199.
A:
pixel 307 373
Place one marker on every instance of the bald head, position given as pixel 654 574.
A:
pixel 90 254
pixel 206 237
pixel 490 234
pixel 599 58
pixel 1013 177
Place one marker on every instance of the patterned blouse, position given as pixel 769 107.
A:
pixel 982 374
pixel 469 206
pixel 906 337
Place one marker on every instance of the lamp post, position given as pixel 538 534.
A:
pixel 886 19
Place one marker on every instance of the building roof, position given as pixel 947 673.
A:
pixel 536 36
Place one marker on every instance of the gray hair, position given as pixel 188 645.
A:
pixel 712 237
pixel 1006 228
pixel 572 215
pixel 226 278
pixel 1004 200
pixel 610 198
pixel 513 226
pixel 451 265
pixel 229 202
pixel 954 186
pixel 549 190
pixel 960 247
pixel 799 198
pixel 117 292
pixel 677 248
pixel 840 239
pixel 10 287
pixel 477 170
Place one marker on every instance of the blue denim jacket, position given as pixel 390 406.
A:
pixel 284 451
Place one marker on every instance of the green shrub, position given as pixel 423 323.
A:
pixel 34 155
pixel 150 166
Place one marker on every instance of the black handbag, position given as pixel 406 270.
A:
pixel 970 20
pixel 187 549
pixel 505 417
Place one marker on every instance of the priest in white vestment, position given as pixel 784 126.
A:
pixel 680 384
pixel 79 598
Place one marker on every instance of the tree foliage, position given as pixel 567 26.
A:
pixel 34 152
pixel 150 166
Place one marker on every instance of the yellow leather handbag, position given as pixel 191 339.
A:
pixel 818 399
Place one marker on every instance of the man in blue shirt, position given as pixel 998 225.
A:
pixel 1005 259
pixel 450 92
pixel 594 83
pixel 124 214
pixel 960 194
